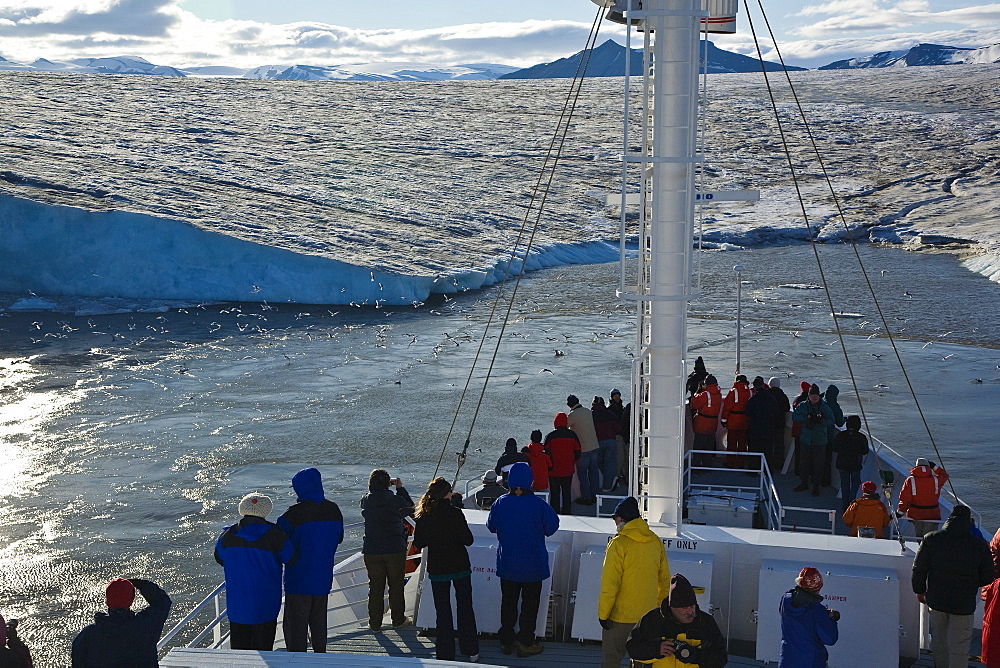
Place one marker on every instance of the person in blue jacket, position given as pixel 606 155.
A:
pixel 807 626
pixel 252 553
pixel 316 527
pixel 120 637
pixel 521 522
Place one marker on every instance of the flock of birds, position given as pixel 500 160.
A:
pixel 133 332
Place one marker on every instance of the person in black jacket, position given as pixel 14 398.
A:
pixel 442 529
pixel 678 628
pixel 851 447
pixel 948 570
pixel 384 547
pixel 13 652
pixel 762 413
pixel 121 637
pixel 511 455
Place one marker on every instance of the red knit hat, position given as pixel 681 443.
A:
pixel 809 578
pixel 120 593
pixel 804 386
pixel 868 487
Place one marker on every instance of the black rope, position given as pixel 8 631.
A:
pixel 542 185
pixel 809 228
pixel 854 247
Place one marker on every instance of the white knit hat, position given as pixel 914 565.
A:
pixel 255 504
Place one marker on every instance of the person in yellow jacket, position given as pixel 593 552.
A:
pixel 635 578
pixel 867 511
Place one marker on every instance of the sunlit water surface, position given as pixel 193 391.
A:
pixel 128 439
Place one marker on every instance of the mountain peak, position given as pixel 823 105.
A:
pixel 608 60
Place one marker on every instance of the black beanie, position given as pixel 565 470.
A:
pixel 814 389
pixel 681 592
pixel 627 509
pixel 710 380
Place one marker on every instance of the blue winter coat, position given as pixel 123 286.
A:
pixel 252 553
pixel 521 524
pixel 121 637
pixel 805 628
pixel 813 434
pixel 316 527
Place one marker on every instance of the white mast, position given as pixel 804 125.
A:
pixel 668 161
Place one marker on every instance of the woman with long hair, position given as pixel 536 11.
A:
pixel 442 529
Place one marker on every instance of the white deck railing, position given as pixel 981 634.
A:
pixel 215 600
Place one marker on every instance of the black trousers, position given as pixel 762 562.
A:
pixel 811 458
pixel 468 636
pixel 561 494
pixel 529 594
pixel 304 616
pixel 253 636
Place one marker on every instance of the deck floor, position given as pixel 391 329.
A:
pixel 349 648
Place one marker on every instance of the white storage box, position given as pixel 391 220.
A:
pixel 724 509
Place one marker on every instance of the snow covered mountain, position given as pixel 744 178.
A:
pixel 608 60
pixel 379 72
pixel 921 54
pixel 118 65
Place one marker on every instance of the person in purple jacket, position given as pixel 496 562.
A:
pixel 521 522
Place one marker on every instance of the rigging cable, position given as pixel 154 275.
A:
pixel 854 247
pixel 542 185
pixel 809 229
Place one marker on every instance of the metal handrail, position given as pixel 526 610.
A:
pixel 197 609
pixel 220 589
pixel 945 491
pixel 831 515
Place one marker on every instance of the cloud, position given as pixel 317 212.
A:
pixel 876 16
pixel 164 33
pixel 813 52
pixel 148 18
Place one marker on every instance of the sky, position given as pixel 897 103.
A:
pixel 250 33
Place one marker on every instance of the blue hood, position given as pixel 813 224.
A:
pixel 519 476
pixel 308 484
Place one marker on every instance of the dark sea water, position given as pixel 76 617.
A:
pixel 130 438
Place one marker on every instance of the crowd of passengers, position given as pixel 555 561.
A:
pixel 644 611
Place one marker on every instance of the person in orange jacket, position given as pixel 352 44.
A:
pixel 735 421
pixel 919 495
pixel 867 511
pixel 706 407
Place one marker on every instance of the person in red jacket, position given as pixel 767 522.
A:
pixel 564 448
pixel 918 497
pixel 734 420
pixel 540 462
pixel 990 654
pixel 706 407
